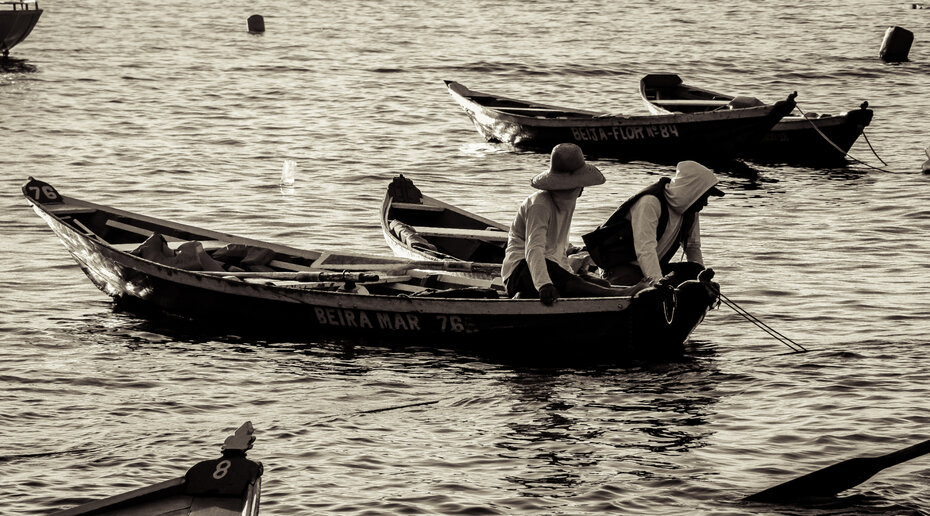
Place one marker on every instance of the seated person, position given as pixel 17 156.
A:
pixel 536 260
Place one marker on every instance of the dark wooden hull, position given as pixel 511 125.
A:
pixel 663 138
pixel 794 139
pixel 15 26
pixel 610 327
pixel 227 486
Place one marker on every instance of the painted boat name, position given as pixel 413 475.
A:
pixel 617 133
pixel 350 318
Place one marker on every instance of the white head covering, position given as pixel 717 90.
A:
pixel 691 181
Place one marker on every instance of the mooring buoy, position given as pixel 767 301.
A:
pixel 256 24
pixel 896 44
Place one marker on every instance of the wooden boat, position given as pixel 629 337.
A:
pixel 794 139
pixel 151 265
pixel 420 227
pixel 227 486
pixel 16 22
pixel 706 136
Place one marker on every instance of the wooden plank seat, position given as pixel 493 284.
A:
pixel 492 235
pixel 411 206
pixel 551 110
pixel 694 102
pixel 67 209
pixel 208 245
pixel 173 242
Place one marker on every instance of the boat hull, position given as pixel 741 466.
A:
pixel 814 139
pixel 227 486
pixel 15 26
pixel 602 327
pixel 659 138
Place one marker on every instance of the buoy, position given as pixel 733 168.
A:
pixel 896 44
pixel 926 166
pixel 256 24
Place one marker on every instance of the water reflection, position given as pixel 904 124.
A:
pixel 586 427
pixel 13 65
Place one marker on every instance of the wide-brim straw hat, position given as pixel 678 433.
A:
pixel 568 170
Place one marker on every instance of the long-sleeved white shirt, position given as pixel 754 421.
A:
pixel 644 215
pixel 539 232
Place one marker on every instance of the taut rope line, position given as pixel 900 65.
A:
pixel 837 147
pixel 795 347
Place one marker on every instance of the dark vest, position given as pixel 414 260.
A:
pixel 611 244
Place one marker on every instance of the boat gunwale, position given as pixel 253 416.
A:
pixel 327 299
pixel 596 119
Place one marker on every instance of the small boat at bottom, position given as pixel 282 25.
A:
pixel 420 227
pixel 16 22
pixel 663 138
pixel 812 138
pixel 227 486
pixel 235 283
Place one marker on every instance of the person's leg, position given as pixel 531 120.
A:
pixel 572 285
pixel 520 282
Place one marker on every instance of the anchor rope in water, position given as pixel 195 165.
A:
pixel 795 347
pixel 866 137
pixel 837 147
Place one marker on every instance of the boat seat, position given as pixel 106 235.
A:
pixel 135 229
pixel 416 207
pixel 696 102
pixel 67 209
pixel 492 235
pixel 208 245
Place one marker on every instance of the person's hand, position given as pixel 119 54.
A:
pixel 548 294
pixel 643 284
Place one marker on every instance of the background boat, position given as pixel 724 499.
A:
pixel 228 486
pixel 812 138
pixel 17 19
pixel 420 227
pixel 711 136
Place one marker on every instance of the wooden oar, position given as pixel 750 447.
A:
pixel 838 477
pixel 306 276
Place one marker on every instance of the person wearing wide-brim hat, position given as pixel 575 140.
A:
pixel 641 237
pixel 536 261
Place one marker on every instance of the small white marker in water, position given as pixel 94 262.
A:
pixel 287 174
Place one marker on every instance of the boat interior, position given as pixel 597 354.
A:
pixel 246 260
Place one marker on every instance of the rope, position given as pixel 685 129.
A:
pixel 873 150
pixel 837 147
pixel 795 347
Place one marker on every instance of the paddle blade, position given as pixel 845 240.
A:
pixel 838 477
pixel 822 483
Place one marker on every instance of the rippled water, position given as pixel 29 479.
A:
pixel 172 109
